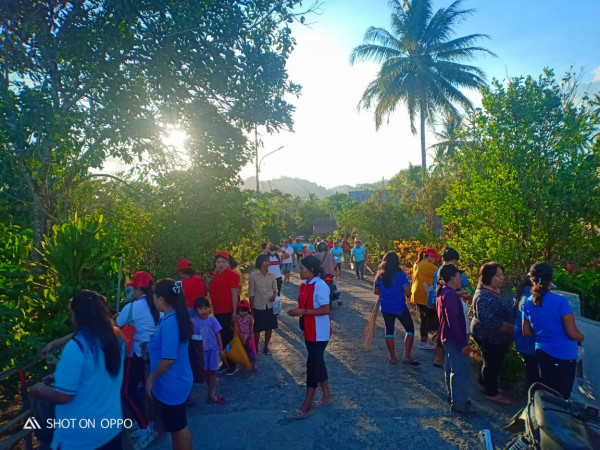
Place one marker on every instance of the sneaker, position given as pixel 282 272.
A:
pixel 426 346
pixel 146 437
pixel 223 368
pixel 232 370
pixel 358 278
pixel 266 351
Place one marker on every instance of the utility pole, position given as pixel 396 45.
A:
pixel 256 156
pixel 259 162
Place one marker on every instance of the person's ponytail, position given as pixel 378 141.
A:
pixel 172 292
pixel 538 291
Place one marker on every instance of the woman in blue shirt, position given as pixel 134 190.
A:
pixel 171 378
pixel 392 286
pixel 523 344
pixel 86 385
pixel 549 318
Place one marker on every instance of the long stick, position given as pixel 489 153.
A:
pixel 119 284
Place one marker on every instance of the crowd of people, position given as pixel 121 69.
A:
pixel 172 334
pixel 540 322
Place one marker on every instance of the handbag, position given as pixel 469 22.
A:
pixel 432 295
pixel 277 305
pixel 128 330
pixel 429 291
pixel 236 352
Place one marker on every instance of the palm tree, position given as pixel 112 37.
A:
pixel 420 63
pixel 448 141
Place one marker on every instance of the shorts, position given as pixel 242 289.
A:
pixel 405 319
pixel 286 268
pixel 174 417
pixel 338 266
pixel 299 255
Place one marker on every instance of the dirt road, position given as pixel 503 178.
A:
pixel 377 405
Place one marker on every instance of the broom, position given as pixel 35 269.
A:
pixel 367 339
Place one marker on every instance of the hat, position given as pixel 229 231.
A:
pixel 223 254
pixel 243 303
pixel 432 252
pixel 447 271
pixel 140 280
pixel 184 264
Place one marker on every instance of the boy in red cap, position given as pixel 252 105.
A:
pixel 193 285
pixel 245 326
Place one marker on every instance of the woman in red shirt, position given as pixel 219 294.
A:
pixel 224 291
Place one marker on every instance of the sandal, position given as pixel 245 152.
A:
pixel 411 362
pixel 299 414
pixel 219 400
pixel 441 366
pixel 319 403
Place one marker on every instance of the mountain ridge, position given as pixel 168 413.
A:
pixel 299 187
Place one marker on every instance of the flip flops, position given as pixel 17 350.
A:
pixel 299 414
pixel 219 400
pixel 319 403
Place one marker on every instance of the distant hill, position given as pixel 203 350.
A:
pixel 302 188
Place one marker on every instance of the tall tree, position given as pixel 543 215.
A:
pixel 420 63
pixel 82 81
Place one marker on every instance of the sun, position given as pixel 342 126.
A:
pixel 175 138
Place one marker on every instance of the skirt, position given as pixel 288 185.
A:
pixel 264 319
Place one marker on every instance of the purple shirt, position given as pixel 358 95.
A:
pixel 453 327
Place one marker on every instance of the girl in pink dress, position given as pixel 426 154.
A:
pixel 245 326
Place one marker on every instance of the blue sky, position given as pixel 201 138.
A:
pixel 335 144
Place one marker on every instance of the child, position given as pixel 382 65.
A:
pixel 245 326
pixel 208 327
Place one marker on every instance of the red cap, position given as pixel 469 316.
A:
pixel 223 254
pixel 432 252
pixel 184 264
pixel 244 303
pixel 140 280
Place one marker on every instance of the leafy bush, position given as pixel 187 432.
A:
pixel 19 297
pixel 586 283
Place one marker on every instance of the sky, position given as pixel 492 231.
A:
pixel 334 143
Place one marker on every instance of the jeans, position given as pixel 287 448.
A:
pixel 457 368
pixel 559 374
pixel 360 268
pixel 493 358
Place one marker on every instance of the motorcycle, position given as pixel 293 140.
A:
pixel 334 294
pixel 550 422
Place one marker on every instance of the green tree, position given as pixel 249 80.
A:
pixel 82 81
pixel 528 185
pixel 420 63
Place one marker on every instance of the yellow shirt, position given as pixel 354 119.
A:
pixel 422 271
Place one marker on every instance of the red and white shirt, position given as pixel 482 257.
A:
pixel 275 264
pixel 313 295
